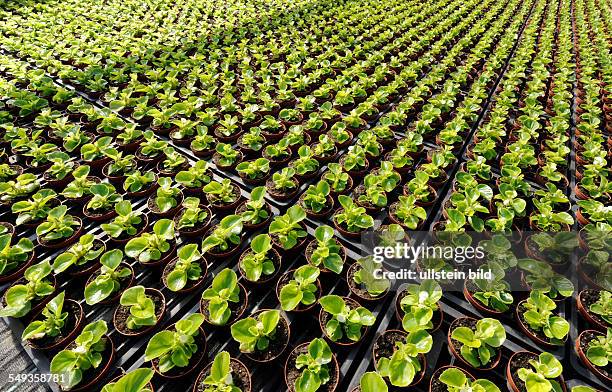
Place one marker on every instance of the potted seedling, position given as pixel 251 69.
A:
pixel 167 200
pixel 594 349
pixel 287 231
pixel 127 224
pixel 298 290
pixel 224 239
pixel 79 189
pixel 118 167
pixel 354 162
pixel 400 357
pixel 21 187
pixel 340 183
pixel 252 142
pixel 155 248
pixel 203 143
pixel 325 251
pixel 95 154
pixel 595 306
pixel 222 195
pixel 193 218
pixel 225 300
pixel 59 229
pixel 255 212
pixel 261 263
pixel 86 360
pixel 342 320
pixel 416 305
pixel 278 154
pixel 537 320
pixel 139 310
pixel 60 171
pixel 305 165
pixel 316 201
pixel 312 367
pixel 186 272
pixel 492 295
pixel 177 351
pixel 172 163
pixel 29 293
pixel 113 277
pixel 371 382
pixel 138 184
pixel 14 258
pixel 101 206
pixel 262 337
pixel 476 343
pixel 527 371
pixel 224 374
pixel 351 220
pixel 283 184
pixel 455 379
pixel 56 325
pixel 151 149
pixel 365 282
pixel 194 178
pixel 540 274
pixel 136 380
pixel 407 212
pixel 225 157
pixel 78 259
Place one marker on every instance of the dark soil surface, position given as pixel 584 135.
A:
pixel 240 376
pixel 520 361
pixel 588 298
pixel 384 346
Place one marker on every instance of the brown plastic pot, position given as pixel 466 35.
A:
pixel 353 304
pixel 457 355
pixel 195 231
pixel 166 214
pixel 170 254
pixel 477 304
pixel 248 226
pixel 122 241
pixel 399 313
pixel 111 213
pixel 587 315
pixel 369 298
pixel 583 358
pixel 263 279
pixel 188 288
pixel 18 273
pixel 318 215
pixel 422 358
pixel 344 232
pixel 283 319
pixel 70 336
pixel 145 329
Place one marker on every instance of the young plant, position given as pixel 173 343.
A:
pixel 34 209
pixel 409 213
pixel 107 282
pixel 81 253
pixel 173 160
pixel 404 364
pixel 11 256
pixel 223 290
pixel 175 347
pixel 85 354
pixel 58 225
pixel 315 364
pixel 81 184
pixel 167 196
pixel 255 169
pixel 301 289
pixel 541 276
pixel 202 140
pixel 351 216
pixel 255 334
pixel 19 297
pixel 192 214
pixel 97 149
pixel 336 177
pixel 327 252
pixel 494 292
pixel 284 180
pixel 126 221
pixel 196 176
pixel 136 181
pixel 599 350
pixel 367 277
pixel 220 377
pixel 542 374
pixel 538 313
pixel 104 198
pixel 186 268
pixel 479 346
pixel 119 164
pixel 603 306
pixel 345 321
pixel 142 307
pixel 456 381
pixel 256 211
pixel 62 165
pixel 546 219
pixel 221 192
pixel 226 153
pixel 134 381
pixel 52 323
pixel 257 262
pixel 287 228
pixel 419 305
pixel 226 235
pixel 150 246
pixel 305 163
pixel 315 198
